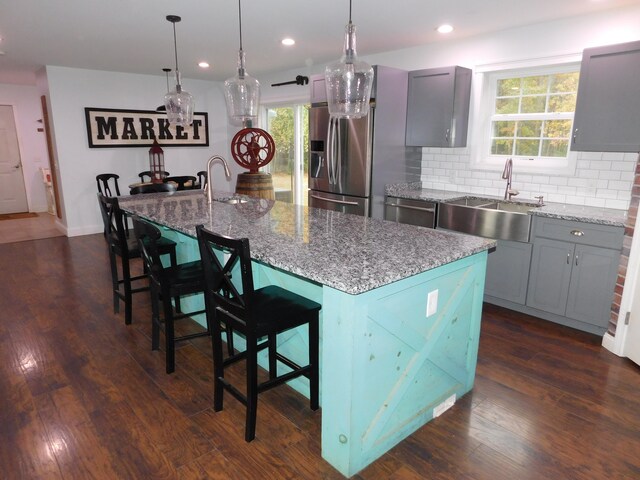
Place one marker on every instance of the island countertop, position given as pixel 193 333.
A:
pixel 350 253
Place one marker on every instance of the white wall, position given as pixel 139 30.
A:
pixel 33 146
pixel 71 90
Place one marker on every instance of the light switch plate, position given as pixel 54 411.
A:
pixel 432 303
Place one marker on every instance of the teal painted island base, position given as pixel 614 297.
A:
pixel 386 366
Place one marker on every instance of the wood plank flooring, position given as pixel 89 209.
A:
pixel 83 396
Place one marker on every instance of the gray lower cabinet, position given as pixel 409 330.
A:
pixel 574 279
pixel 508 271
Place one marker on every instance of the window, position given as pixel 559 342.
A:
pixel 527 115
pixel 289 127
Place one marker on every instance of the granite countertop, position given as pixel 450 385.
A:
pixel 350 253
pixel 578 213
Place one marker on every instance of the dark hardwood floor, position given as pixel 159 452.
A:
pixel 83 396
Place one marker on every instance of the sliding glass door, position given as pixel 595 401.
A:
pixel 289 127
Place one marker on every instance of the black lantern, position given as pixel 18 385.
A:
pixel 156 163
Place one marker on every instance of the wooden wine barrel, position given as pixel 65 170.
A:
pixel 259 185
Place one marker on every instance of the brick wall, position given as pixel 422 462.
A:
pixel 626 249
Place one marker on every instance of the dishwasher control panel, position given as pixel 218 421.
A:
pixel 414 212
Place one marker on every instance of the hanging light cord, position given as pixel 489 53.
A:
pixel 350 1
pixel 175 44
pixel 240 22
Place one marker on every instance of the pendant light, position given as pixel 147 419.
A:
pixel 179 104
pixel 349 80
pixel 242 92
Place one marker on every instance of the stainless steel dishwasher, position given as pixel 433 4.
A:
pixel 413 212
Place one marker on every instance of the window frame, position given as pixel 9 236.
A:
pixel 487 90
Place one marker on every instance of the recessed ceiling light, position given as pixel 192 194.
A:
pixel 203 65
pixel 445 28
pixel 288 41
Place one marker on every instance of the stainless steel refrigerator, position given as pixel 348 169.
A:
pixel 351 160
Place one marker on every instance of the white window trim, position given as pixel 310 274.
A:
pixel 484 93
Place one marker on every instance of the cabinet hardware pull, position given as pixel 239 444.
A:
pixel 577 256
pixel 575 135
pixel 568 258
pixel 577 233
pixel 446 135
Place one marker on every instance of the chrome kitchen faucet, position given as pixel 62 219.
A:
pixel 506 175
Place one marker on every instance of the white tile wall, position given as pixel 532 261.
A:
pixel 602 179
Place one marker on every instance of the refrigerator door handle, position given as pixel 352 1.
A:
pixel 329 149
pixel 324 199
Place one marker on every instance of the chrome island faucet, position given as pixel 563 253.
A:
pixel 209 185
pixel 506 175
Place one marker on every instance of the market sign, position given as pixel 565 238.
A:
pixel 108 128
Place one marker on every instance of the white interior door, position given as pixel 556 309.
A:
pixel 632 339
pixel 13 197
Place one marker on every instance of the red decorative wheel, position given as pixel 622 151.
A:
pixel 252 148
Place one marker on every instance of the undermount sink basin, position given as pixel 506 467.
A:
pixel 510 207
pixel 487 218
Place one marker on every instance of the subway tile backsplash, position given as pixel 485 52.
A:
pixel 602 179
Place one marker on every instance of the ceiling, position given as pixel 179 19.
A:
pixel 133 35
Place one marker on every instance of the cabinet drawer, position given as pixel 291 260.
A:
pixel 579 232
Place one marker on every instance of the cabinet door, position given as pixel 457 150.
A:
pixel 606 118
pixel 508 271
pixel 592 283
pixel 550 275
pixel 438 107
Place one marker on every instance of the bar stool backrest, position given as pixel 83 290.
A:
pixel 218 285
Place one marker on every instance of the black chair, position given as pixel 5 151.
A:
pixel 185 182
pixel 256 314
pixel 202 178
pixel 166 283
pixel 125 246
pixel 103 180
pixel 153 188
pixel 147 173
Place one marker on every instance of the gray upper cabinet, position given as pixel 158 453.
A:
pixel 438 107
pixel 318 89
pixel 607 117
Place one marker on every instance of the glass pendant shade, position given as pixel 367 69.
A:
pixel 242 95
pixel 349 81
pixel 179 105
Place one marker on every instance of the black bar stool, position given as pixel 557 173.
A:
pixel 166 283
pixel 202 178
pixel 257 314
pixel 126 247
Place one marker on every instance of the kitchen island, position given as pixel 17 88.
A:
pixel 401 308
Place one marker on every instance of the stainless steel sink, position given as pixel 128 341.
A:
pixel 487 218
pixel 470 201
pixel 510 207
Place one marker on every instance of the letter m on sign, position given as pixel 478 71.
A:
pixel 106 126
